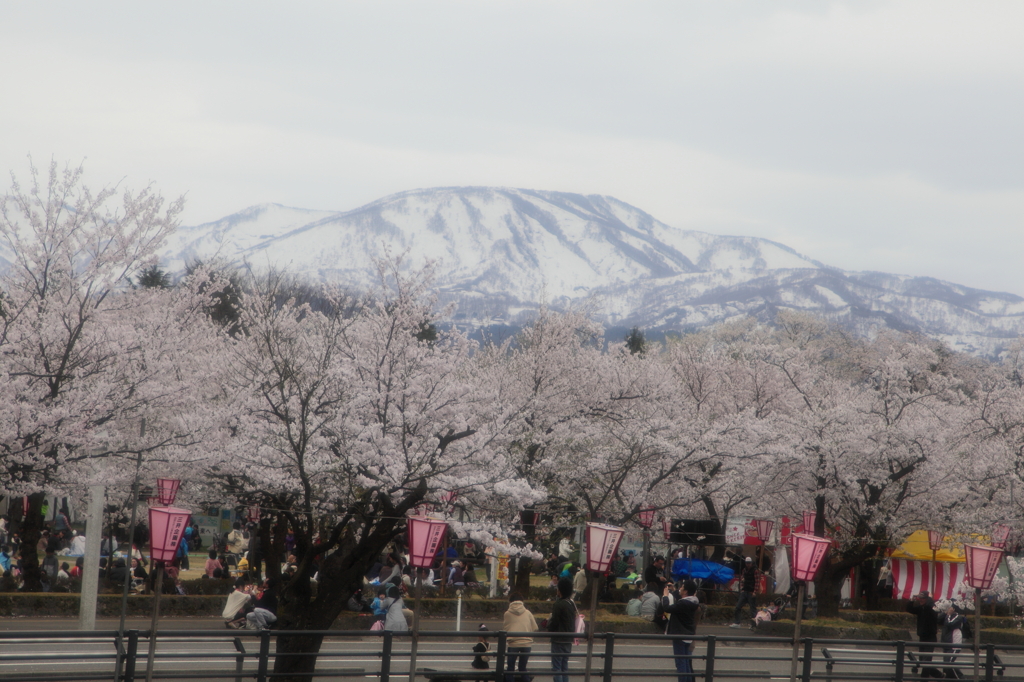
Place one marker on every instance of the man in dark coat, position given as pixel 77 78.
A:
pixel 563 619
pixel 681 609
pixel 655 573
pixel 923 606
pixel 748 586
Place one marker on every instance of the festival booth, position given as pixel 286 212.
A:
pixel 913 569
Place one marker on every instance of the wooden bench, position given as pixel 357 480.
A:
pixel 887 658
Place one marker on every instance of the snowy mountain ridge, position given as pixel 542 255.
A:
pixel 501 252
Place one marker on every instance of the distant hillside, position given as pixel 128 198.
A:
pixel 503 251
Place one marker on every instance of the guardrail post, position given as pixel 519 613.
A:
pixel 709 660
pixel 385 657
pixel 239 659
pixel 130 656
pixel 499 659
pixel 900 657
pixel 990 656
pixel 808 655
pixel 609 654
pixel 261 672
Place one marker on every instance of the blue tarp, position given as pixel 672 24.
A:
pixel 701 570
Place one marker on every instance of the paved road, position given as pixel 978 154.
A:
pixel 360 658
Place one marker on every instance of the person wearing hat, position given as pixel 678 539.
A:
pixel 482 660
pixel 748 586
pixel 923 606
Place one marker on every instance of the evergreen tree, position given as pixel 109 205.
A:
pixel 636 342
pixel 154 278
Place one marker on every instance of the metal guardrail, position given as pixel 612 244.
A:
pixel 242 655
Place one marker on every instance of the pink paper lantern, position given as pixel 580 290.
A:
pixel 254 513
pixel 646 518
pixel 166 529
pixel 666 527
pixel 602 544
pixel 809 551
pixel 934 540
pixel 809 518
pixel 1000 535
pixel 982 563
pixel 425 535
pixel 764 529
pixel 167 490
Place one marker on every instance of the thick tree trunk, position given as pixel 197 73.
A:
pixel 31 531
pixel 522 577
pixel 340 574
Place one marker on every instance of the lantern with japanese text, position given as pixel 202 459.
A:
pixel 602 545
pixel 425 535
pixel 809 552
pixel 982 563
pixel 166 530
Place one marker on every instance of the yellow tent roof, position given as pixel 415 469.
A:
pixel 916 547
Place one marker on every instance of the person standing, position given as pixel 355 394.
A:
pixel 518 619
pixel 923 606
pixel 579 582
pixel 237 543
pixel 953 637
pixel 682 620
pixel 748 586
pixel 655 573
pixel 562 620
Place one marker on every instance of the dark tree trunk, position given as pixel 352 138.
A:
pixel 341 574
pixel 31 531
pixel 525 570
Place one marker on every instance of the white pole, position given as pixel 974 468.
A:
pixel 458 614
pixel 91 563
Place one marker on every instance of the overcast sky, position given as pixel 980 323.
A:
pixel 867 135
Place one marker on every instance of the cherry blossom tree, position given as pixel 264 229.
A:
pixel 344 424
pixel 77 359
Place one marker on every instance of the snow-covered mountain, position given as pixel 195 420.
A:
pixel 501 252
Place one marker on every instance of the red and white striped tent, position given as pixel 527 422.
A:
pixel 909 577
